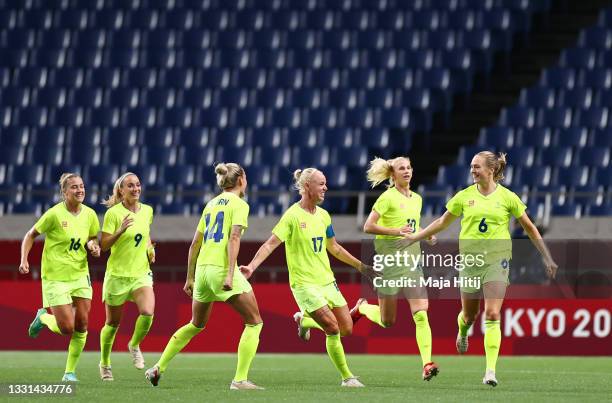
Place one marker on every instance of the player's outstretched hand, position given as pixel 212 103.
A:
pixel 246 271
pixel 368 271
pixel 551 268
pixel 432 240
pixel 24 267
pixel 188 287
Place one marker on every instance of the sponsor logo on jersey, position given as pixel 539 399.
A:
pixel 303 225
pixel 471 203
pixel 64 224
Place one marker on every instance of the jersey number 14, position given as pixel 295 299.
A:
pixel 216 231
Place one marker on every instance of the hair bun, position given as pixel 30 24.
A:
pixel 221 169
pixel 296 174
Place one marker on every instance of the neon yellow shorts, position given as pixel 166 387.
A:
pixel 208 285
pixel 61 292
pixel 118 290
pixel 409 279
pixel 472 279
pixel 312 297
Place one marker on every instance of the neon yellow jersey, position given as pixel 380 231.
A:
pixel 218 217
pixel 305 237
pixel 64 256
pixel 396 210
pixel 128 256
pixel 486 218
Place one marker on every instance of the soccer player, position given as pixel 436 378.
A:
pixel 128 277
pixel 212 275
pixel 396 211
pixel 70 227
pixel 486 208
pixel 307 232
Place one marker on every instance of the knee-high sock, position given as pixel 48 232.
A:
pixel 75 348
pixel 49 321
pixel 336 353
pixel 107 338
pixel 246 350
pixel 463 327
pixel 423 335
pixel 177 342
pixel 492 342
pixel 372 312
pixel 141 328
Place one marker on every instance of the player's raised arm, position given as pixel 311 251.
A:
pixel 344 256
pixel 438 225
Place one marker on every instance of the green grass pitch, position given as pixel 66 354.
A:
pixel 302 377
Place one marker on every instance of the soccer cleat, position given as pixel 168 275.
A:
pixel 303 333
pixel 244 385
pixel 430 370
pixel 69 377
pixel 352 382
pixel 489 378
pixel 153 375
pixel 355 314
pixel 106 374
pixel 36 326
pixel 462 344
pixel 137 357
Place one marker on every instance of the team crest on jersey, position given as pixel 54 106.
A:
pixel 471 203
pixel 303 225
pixel 64 224
pixel 402 206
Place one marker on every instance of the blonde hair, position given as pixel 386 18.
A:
pixel 228 174
pixel 63 181
pixel 495 162
pixel 381 170
pixel 301 177
pixel 116 197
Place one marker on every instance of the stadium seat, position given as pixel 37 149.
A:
pixel 557 157
pixel 572 137
pixel 595 156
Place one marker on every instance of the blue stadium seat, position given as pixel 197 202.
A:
pixel 102 174
pixel 15 136
pixel 517 116
pixel 241 155
pixel 57 39
pixel 233 97
pixel 51 137
pixel 73 19
pixel 214 117
pixel 33 117
pixel 479 42
pixel 557 157
pixel 50 58
pixel 371 39
pixel 441 39
pixel 596 78
pixel 286 117
pixel 535 137
pixel 386 59
pixel 177 77
pixel 274 156
pixel 124 137
pixel 578 58
pixel 343 59
pixel 333 39
pixel 324 78
pixel 160 137
pixel 556 118
pixel 265 177
pixel 250 117
pixel 392 20
pixel 156 97
pixel 498 137
pixel 179 175
pixel 175 208
pixel 179 117
pixel 538 97
pixel 197 39
pixel 378 141
pixel 572 177
pixel 271 59
pixel 161 38
pixel 252 78
pixel 395 118
pixel 197 156
pixel 91 38
pixel 198 58
pixel 572 137
pixel 26 208
pixel 250 20
pixel 318 157
pixel 196 98
pixel 69 117
pixel 140 117
pixel 322 117
pixel 234 137
pixel 354 157
pixel 593 118
pixel 288 78
pixel 29 174
pixel 17 97
pixel 361 78
pixel 559 78
pixel 358 117
pixel 534 177
pixel 68 77
pixel 602 138
pixel 341 137
pixel 358 20
pixel 427 19
pixel 454 175
pixel 32 77
pixel 463 20
pixel 567 209
pixel 595 156
pixel 301 98
pixel 52 97
pixel 342 98
pixel 271 136
pixel 580 98
pixel 179 19
pixel 379 98
pixel 521 156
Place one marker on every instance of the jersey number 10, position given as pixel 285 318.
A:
pixel 216 231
